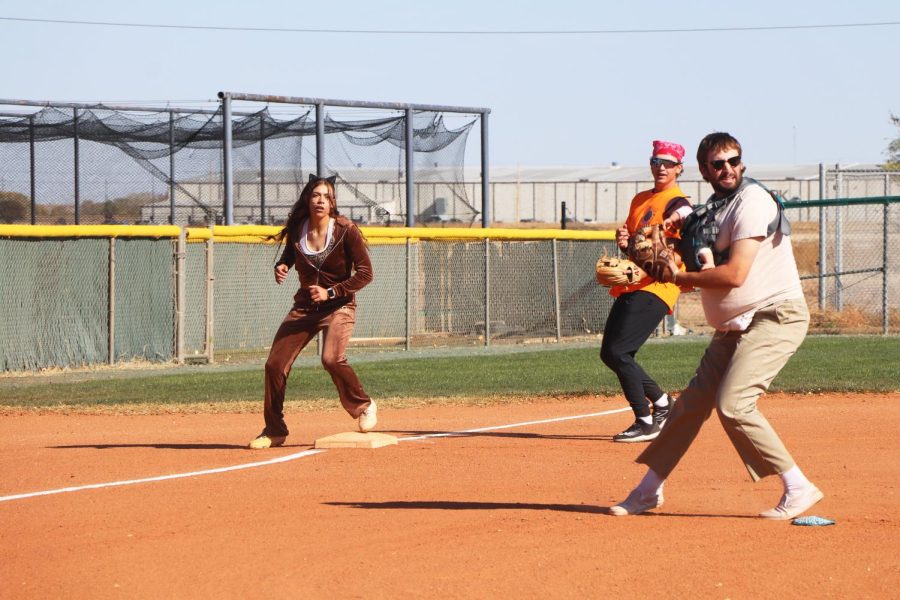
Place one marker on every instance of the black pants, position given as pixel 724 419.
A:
pixel 633 317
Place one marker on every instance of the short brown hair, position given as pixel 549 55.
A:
pixel 714 142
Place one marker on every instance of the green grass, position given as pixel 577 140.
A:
pixel 823 364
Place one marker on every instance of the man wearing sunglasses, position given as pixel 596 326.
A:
pixel 753 298
pixel 639 308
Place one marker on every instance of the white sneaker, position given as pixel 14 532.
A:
pixel 637 503
pixel 264 441
pixel 368 418
pixel 794 504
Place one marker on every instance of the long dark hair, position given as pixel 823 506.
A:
pixel 300 211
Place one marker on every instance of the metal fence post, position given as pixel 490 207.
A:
pixel 485 173
pixel 556 289
pixel 210 300
pixel 320 139
pixel 262 170
pixel 838 242
pixel 823 230
pixel 487 291
pixel 409 303
pixel 180 300
pixel 111 298
pixel 885 220
pixel 31 173
pixel 227 160
pixel 410 169
pixel 171 168
pixel 76 190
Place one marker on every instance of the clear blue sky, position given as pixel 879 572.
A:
pixel 791 96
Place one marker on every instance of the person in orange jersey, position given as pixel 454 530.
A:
pixel 639 308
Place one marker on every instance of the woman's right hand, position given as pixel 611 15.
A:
pixel 281 271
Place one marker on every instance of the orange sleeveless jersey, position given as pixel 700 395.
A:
pixel 647 209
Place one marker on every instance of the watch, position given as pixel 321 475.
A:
pixel 331 294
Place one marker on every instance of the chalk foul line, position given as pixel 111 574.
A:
pixel 512 425
pixel 294 456
pixel 95 486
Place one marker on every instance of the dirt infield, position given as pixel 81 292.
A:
pixel 508 512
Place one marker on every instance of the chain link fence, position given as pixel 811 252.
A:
pixel 73 297
pixel 426 293
pixel 75 301
pixel 845 251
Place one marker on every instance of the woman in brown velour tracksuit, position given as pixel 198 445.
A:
pixel 332 261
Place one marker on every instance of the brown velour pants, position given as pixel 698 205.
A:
pixel 296 331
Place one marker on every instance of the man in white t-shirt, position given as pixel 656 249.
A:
pixel 753 298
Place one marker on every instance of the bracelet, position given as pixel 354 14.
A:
pixel 674 276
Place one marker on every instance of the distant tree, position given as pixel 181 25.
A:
pixel 127 209
pixel 14 207
pixel 56 214
pixel 893 149
pixel 109 212
pixel 124 210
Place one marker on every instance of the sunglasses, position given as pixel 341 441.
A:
pixel 663 162
pixel 718 165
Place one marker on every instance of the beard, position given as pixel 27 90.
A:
pixel 723 190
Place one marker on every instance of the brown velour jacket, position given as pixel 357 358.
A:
pixel 347 267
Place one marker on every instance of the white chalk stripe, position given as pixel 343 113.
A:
pixel 95 486
pixel 512 425
pixel 296 455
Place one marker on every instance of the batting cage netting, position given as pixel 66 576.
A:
pixel 68 164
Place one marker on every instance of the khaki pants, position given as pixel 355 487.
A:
pixel 295 332
pixel 735 371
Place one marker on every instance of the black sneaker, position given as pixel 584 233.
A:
pixel 638 432
pixel 661 413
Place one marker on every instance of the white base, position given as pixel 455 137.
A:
pixel 355 439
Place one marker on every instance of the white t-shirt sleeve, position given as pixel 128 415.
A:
pixel 683 211
pixel 753 212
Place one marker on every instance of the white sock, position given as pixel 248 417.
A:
pixel 651 483
pixel 662 402
pixel 794 479
pixel 646 420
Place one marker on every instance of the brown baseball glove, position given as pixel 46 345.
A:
pixel 617 271
pixel 654 253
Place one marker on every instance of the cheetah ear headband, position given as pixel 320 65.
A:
pixel 314 177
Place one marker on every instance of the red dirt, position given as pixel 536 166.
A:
pixel 512 512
